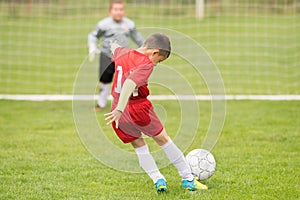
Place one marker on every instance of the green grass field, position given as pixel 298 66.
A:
pixel 42 156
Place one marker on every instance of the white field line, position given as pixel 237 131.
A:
pixel 59 97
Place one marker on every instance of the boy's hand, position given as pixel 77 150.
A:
pixel 92 53
pixel 113 116
pixel 113 46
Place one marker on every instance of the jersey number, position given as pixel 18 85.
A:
pixel 118 88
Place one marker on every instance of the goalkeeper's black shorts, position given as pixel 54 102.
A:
pixel 107 69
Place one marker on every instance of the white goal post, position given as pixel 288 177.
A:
pixel 200 9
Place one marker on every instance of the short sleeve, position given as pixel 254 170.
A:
pixel 120 51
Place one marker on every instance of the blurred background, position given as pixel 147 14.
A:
pixel 254 43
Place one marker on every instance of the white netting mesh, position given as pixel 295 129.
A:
pixel 255 44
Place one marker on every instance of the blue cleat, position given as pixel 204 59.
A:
pixel 193 185
pixel 161 186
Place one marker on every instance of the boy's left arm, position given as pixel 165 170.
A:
pixel 127 89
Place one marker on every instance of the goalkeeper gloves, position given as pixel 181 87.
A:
pixel 92 53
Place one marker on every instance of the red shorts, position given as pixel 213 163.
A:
pixel 138 117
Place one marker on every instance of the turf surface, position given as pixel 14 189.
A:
pixel 42 156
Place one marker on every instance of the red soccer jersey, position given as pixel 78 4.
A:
pixel 138 116
pixel 134 65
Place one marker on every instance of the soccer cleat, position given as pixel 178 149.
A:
pixel 161 186
pixel 98 108
pixel 193 185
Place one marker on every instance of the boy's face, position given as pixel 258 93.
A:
pixel 155 57
pixel 117 11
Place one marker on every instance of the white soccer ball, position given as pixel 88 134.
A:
pixel 202 163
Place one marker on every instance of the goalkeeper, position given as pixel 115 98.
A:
pixel 116 27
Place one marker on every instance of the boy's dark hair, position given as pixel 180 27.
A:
pixel 159 41
pixel 112 2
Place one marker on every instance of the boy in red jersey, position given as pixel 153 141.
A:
pixel 132 113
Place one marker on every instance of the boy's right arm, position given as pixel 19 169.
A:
pixel 113 46
pixel 93 38
pixel 92 45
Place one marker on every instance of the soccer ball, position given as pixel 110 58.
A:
pixel 202 163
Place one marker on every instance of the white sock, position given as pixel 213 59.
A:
pixel 148 164
pixel 103 94
pixel 177 158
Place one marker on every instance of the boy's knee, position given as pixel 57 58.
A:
pixel 138 143
pixel 161 138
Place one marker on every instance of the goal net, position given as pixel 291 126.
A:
pixel 254 43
